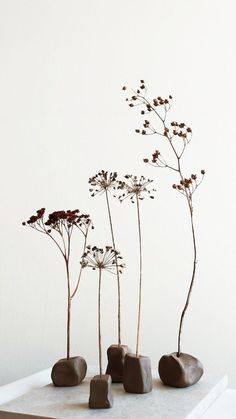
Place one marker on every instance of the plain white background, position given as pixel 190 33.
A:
pixel 63 117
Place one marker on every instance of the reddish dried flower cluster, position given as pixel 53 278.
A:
pixel 59 219
pixel 102 181
pixel 133 187
pixel 34 218
pixel 68 217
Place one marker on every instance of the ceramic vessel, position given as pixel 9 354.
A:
pixel 179 371
pixel 137 376
pixel 69 372
pixel 116 358
pixel 100 392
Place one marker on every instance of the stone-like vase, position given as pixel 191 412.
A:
pixel 100 392
pixel 116 358
pixel 69 372
pixel 182 371
pixel 137 376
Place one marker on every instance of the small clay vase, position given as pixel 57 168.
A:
pixel 69 372
pixel 100 392
pixel 116 358
pixel 182 371
pixel 137 376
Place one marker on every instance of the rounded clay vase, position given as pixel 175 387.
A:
pixel 69 372
pixel 182 371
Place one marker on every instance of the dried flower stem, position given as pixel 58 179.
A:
pixel 68 308
pixel 140 276
pixel 81 268
pixel 117 269
pixel 99 258
pixel 187 186
pixel 62 223
pixel 189 201
pixel 99 323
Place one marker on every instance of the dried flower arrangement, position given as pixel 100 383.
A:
pixel 105 183
pixel 136 367
pixel 177 369
pixel 59 228
pixel 110 260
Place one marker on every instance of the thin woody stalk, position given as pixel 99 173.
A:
pixel 117 269
pixel 62 223
pixel 68 309
pixel 187 186
pixel 99 323
pixel 135 189
pixel 81 268
pixel 189 201
pixel 191 284
pixel 101 259
pixel 140 276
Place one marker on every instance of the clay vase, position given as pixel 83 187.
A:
pixel 182 371
pixel 116 358
pixel 69 372
pixel 137 377
pixel 100 392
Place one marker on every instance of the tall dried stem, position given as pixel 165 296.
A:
pixel 187 186
pixel 140 276
pixel 99 323
pixel 117 269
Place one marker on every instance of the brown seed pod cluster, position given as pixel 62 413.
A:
pixel 187 186
pixel 133 187
pixel 102 181
pixel 102 258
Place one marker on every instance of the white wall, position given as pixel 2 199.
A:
pixel 62 118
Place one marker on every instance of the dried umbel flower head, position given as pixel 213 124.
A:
pixel 133 187
pixel 99 258
pixel 59 220
pixel 102 181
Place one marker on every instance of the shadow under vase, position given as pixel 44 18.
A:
pixel 116 358
pixel 69 372
pixel 180 371
pixel 137 374
pixel 100 392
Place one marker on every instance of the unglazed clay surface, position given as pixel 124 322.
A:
pixel 100 392
pixel 182 371
pixel 137 374
pixel 116 358
pixel 69 372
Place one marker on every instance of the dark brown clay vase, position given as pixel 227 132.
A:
pixel 137 376
pixel 100 392
pixel 116 358
pixel 182 371
pixel 69 372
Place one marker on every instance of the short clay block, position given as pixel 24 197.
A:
pixel 116 358
pixel 137 374
pixel 182 371
pixel 100 392
pixel 69 372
